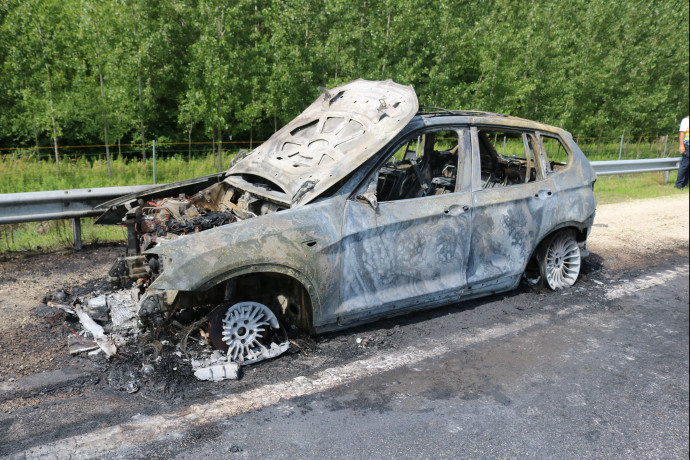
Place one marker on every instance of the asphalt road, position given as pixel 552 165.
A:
pixel 597 371
pixel 592 381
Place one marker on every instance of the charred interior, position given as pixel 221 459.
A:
pixel 425 165
pixel 154 221
pixel 515 164
pixel 160 220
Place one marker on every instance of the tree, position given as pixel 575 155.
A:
pixel 91 34
pixel 38 69
pixel 83 71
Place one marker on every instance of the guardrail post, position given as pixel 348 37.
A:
pixel 76 233
pixel 666 174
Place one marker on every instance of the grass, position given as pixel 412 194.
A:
pixel 616 189
pixel 54 235
pixel 28 174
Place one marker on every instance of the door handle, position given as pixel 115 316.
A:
pixel 456 210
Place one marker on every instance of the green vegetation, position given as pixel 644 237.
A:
pixel 24 174
pixel 82 72
pixel 615 189
pixel 54 235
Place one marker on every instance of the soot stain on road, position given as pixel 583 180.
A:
pixel 362 403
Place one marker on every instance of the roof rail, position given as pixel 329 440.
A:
pixel 424 109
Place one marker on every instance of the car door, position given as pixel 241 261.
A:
pixel 512 203
pixel 409 252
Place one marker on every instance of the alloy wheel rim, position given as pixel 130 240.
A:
pixel 562 262
pixel 245 328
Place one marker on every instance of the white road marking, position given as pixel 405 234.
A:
pixel 118 440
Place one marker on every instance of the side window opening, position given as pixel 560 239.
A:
pixel 506 158
pixel 424 165
pixel 555 152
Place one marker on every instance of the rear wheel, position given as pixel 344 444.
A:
pixel 560 261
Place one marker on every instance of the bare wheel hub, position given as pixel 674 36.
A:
pixel 562 264
pixel 246 327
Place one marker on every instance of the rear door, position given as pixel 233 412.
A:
pixel 512 205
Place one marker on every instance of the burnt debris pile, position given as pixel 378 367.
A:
pixel 104 325
pixel 160 219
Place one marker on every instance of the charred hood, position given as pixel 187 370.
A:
pixel 338 132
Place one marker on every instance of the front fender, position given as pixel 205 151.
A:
pixel 303 242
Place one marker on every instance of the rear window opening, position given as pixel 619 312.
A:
pixel 507 158
pixel 555 152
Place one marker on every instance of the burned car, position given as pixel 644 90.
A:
pixel 362 207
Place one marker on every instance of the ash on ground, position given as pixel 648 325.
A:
pixel 159 356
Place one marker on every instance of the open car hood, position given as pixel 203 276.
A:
pixel 338 132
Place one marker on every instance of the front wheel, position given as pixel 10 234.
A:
pixel 560 260
pixel 247 331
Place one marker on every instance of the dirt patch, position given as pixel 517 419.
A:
pixel 32 339
pixel 627 234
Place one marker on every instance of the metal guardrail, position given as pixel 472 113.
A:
pixel 60 204
pixel 77 203
pixel 606 168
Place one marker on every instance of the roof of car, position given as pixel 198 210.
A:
pixel 478 115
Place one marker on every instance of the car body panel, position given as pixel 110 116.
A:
pixel 508 222
pixel 403 253
pixel 201 260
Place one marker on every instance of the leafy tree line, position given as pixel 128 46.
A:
pixel 75 72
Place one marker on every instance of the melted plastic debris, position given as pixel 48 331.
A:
pixel 123 310
pixel 97 331
pixel 215 368
pixel 110 323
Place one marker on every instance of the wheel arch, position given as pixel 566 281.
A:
pixel 266 283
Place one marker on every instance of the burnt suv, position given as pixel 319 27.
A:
pixel 362 207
